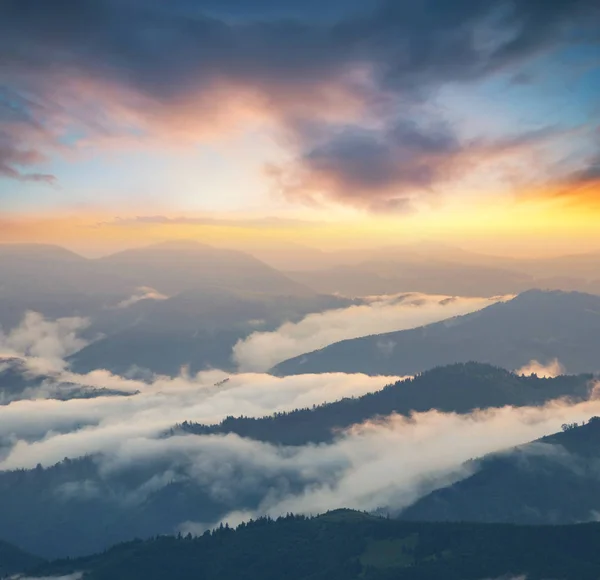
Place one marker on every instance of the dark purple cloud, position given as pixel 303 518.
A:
pixel 385 169
pixel 288 53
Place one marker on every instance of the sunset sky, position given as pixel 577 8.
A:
pixel 337 123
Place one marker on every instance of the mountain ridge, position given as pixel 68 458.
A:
pixel 457 388
pixel 349 545
pixel 553 480
pixel 535 325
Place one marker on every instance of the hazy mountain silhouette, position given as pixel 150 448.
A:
pixel 58 283
pixel 553 480
pixel 159 307
pixel 540 325
pixel 435 268
pixel 174 267
pixel 428 277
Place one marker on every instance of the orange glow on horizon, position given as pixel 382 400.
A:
pixel 529 226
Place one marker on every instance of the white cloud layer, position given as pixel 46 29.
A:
pixel 80 426
pixel 45 343
pixel 394 462
pixel 390 462
pixel 262 350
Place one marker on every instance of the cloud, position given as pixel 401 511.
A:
pixel 549 370
pixel 19 131
pixel 262 350
pixel 11 158
pixel 44 343
pixel 377 168
pixel 28 379
pixel 591 174
pixel 395 461
pixel 388 462
pixel 143 293
pixel 46 431
pixel 389 169
pixel 176 72
pixel 582 184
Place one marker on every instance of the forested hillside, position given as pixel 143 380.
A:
pixel 553 480
pixel 346 545
pixel 13 560
pixel 458 388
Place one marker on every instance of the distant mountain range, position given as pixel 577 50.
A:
pixel 540 325
pixel 434 268
pixel 169 267
pixel 552 481
pixel 56 282
pixel 191 303
pixel 348 545
pixel 160 307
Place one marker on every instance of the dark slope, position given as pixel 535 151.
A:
pixel 197 328
pixel 534 325
pixel 18 383
pixel 455 388
pixel 345 545
pixel 70 509
pixel 554 480
pixel 13 560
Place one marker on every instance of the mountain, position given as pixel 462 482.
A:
pixel 458 388
pixel 84 505
pixel 429 277
pixel 196 328
pixel 347 545
pixel 540 325
pixel 554 480
pixel 14 560
pixel 434 268
pixel 59 283
pixel 187 302
pixel 17 382
pixel 174 267
pixel 46 279
pixel 74 508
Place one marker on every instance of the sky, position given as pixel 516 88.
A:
pixel 335 124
